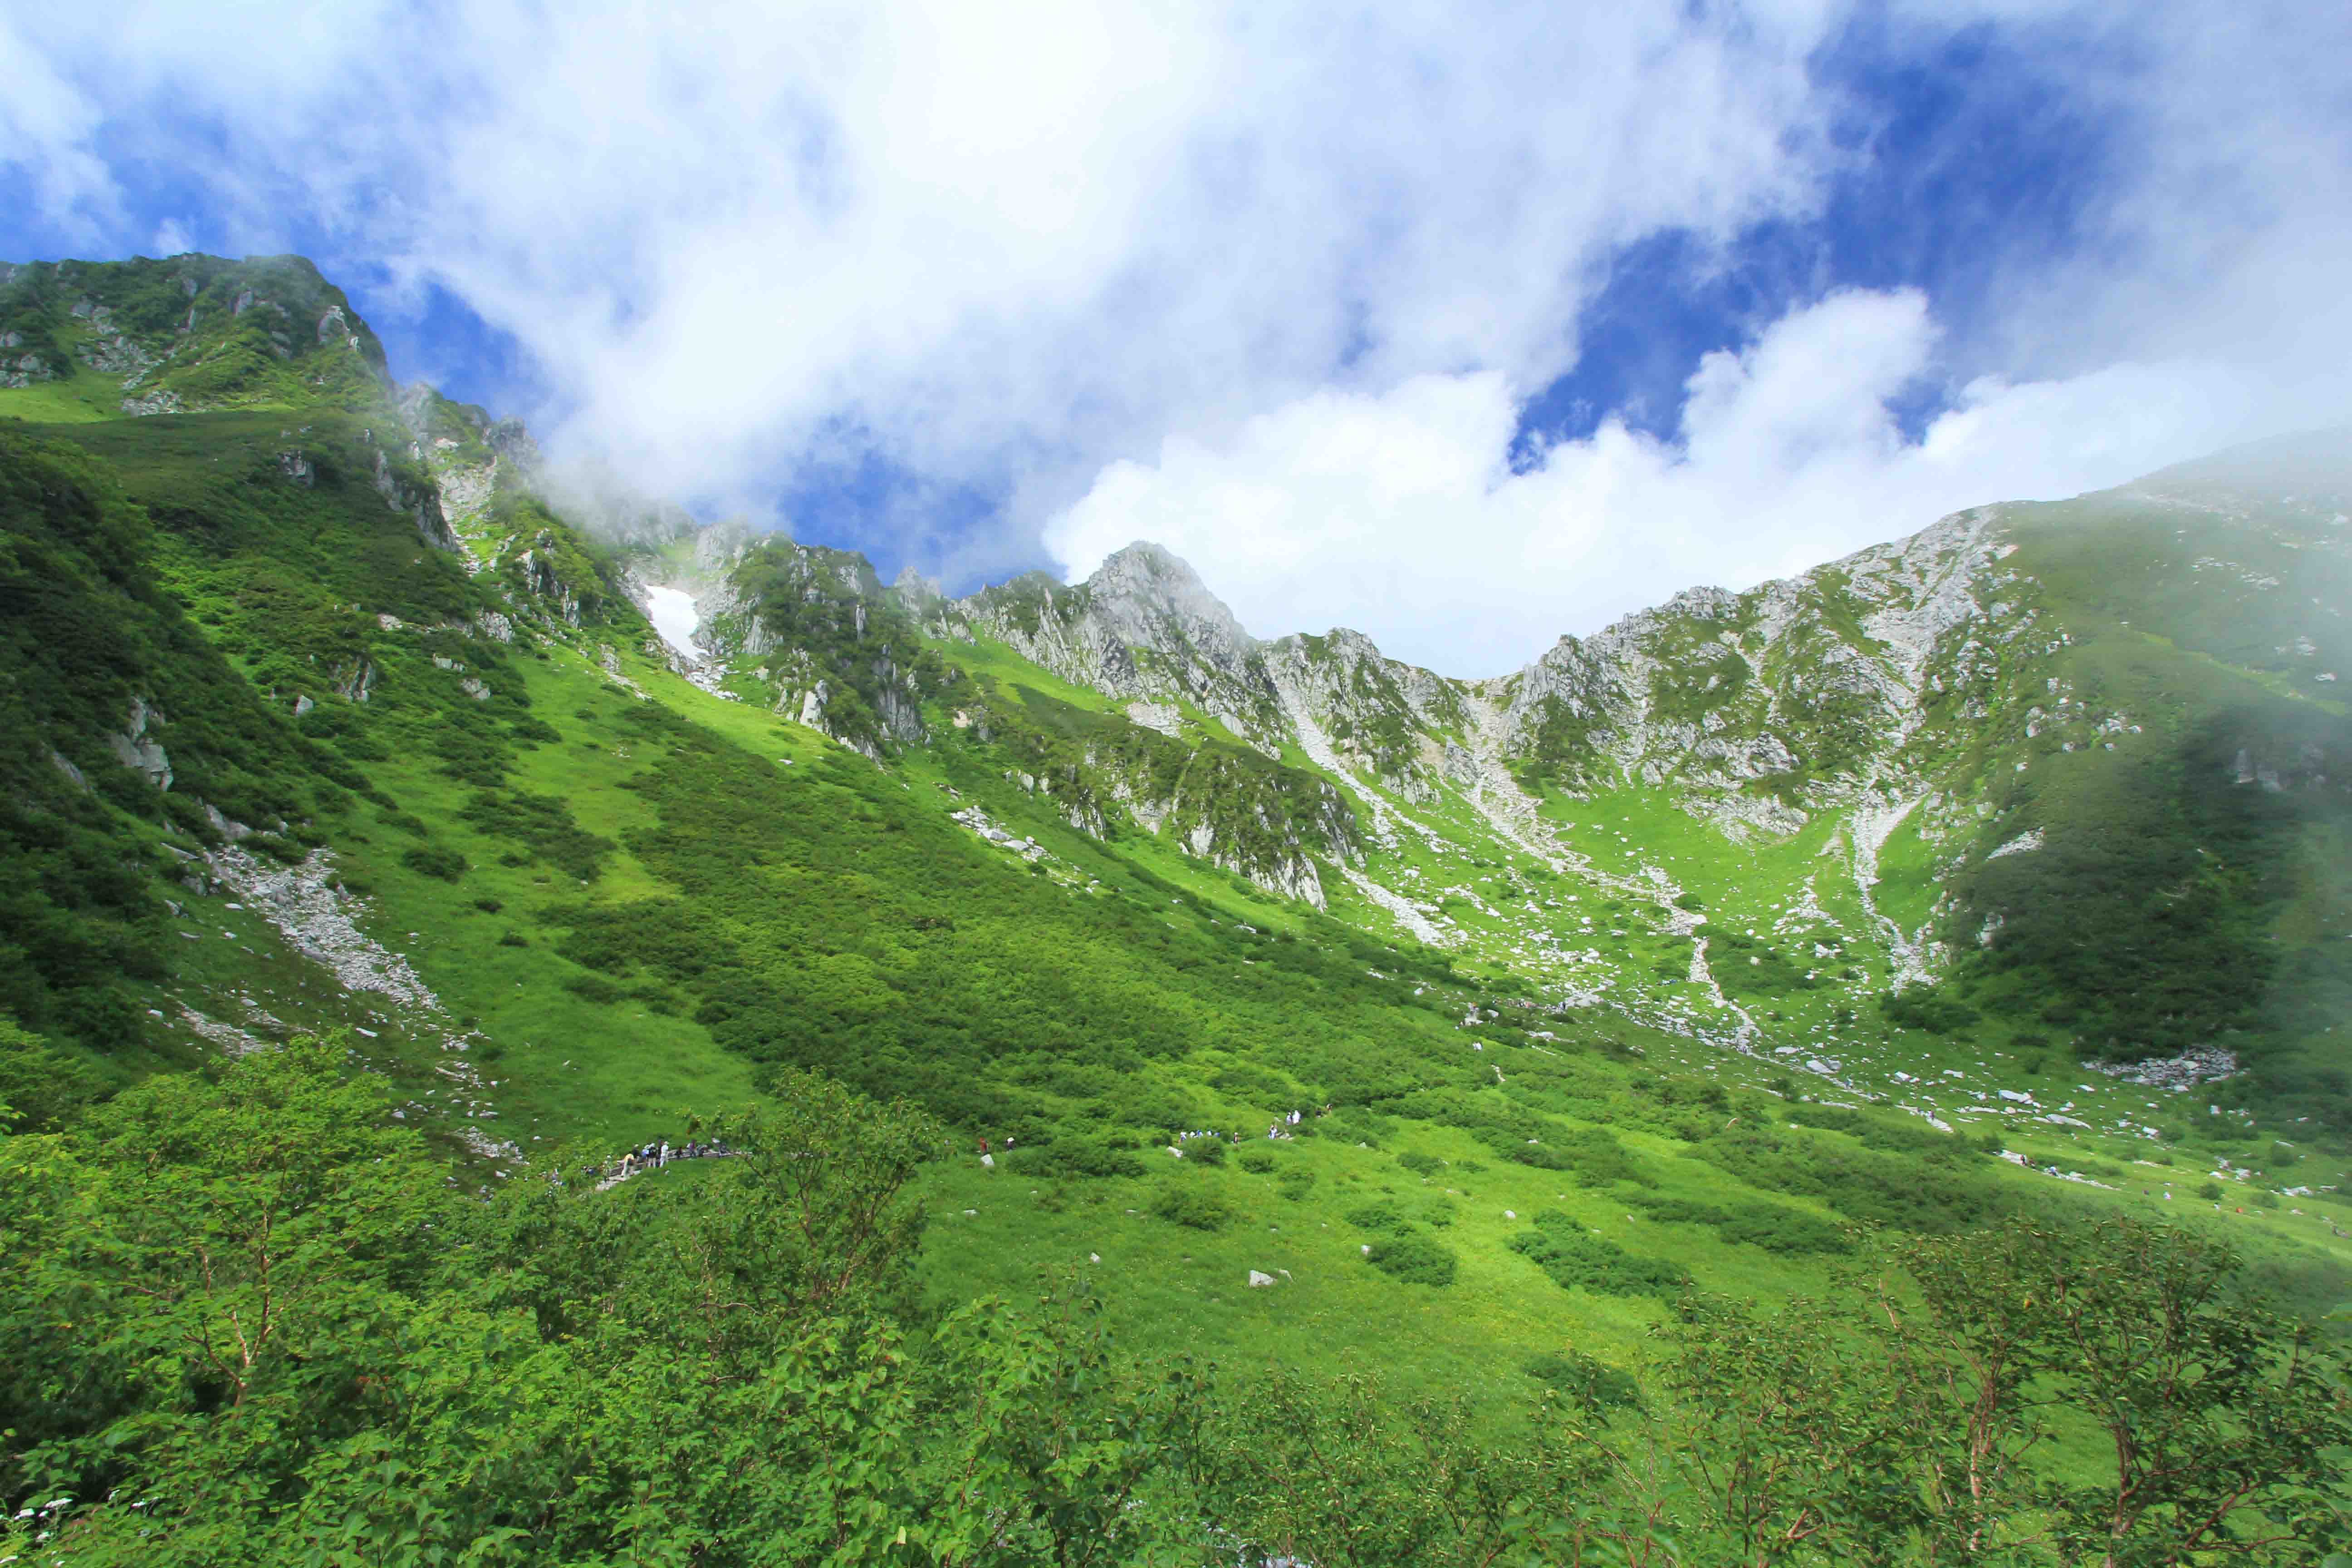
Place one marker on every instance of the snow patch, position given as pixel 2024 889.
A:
pixel 673 614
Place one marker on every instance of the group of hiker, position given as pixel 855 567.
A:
pixel 1281 1129
pixel 653 1157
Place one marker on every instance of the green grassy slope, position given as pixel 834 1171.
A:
pixel 632 901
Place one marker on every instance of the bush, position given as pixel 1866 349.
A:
pixel 1206 1151
pixel 1188 1205
pixel 1419 1165
pixel 594 988
pixel 1559 1246
pixel 1415 1259
pixel 1257 1160
pixel 1772 1227
pixel 1923 1007
pixel 2209 1191
pixel 431 860
pixel 1296 1184
pixel 1594 1385
pixel 1382 1216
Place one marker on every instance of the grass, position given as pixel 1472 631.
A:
pixel 783 898
pixel 84 397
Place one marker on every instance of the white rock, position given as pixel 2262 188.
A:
pixel 1256 1279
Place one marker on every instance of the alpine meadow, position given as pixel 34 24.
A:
pixel 1849 1071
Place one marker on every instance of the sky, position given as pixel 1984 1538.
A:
pixel 1464 325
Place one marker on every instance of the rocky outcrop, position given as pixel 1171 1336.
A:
pixel 1144 626
pixel 420 501
pixel 1757 708
pixel 134 748
pixel 1274 826
pixel 1357 711
pixel 544 581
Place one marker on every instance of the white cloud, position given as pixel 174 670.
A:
pixel 1310 255
pixel 1397 513
pixel 999 242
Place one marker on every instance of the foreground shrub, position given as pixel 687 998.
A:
pixel 1188 1205
pixel 1413 1259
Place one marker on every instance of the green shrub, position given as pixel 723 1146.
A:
pixel 1382 1216
pixel 1926 1008
pixel 1296 1184
pixel 1413 1259
pixel 594 988
pixel 41 1087
pixel 2209 1191
pixel 1775 1227
pixel 1188 1205
pixel 1562 1248
pixel 1419 1165
pixel 432 860
pixel 1594 1385
pixel 1206 1151
pixel 1257 1160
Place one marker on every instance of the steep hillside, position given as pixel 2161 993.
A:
pixel 1953 794
pixel 102 340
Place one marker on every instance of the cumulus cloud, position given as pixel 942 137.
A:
pixel 1001 241
pixel 1399 513
pixel 1269 280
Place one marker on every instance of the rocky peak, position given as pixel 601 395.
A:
pixel 917 592
pixel 1149 598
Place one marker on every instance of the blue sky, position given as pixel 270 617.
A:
pixel 1464 325
pixel 1963 158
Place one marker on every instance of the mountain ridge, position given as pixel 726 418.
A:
pixel 1873 714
